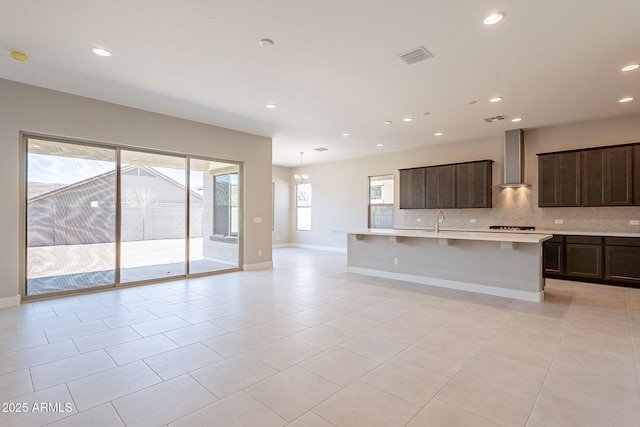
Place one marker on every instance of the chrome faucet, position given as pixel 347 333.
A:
pixel 438 215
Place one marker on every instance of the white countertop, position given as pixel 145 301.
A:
pixel 540 231
pixel 454 234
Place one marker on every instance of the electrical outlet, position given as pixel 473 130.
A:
pixel 473 220
pixel 559 221
pixel 395 261
pixel 634 222
pixel 419 220
pixel 259 252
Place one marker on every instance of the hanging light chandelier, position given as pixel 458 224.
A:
pixel 301 177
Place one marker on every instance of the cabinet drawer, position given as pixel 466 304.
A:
pixel 622 241
pixel 555 239
pixel 584 240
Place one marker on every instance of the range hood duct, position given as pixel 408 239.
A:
pixel 513 159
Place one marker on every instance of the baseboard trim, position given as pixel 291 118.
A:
pixel 10 301
pixel 267 265
pixel 316 247
pixel 452 284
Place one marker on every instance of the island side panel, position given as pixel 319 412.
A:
pixel 484 265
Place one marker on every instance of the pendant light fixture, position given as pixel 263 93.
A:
pixel 301 177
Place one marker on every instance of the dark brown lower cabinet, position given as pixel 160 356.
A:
pixel 622 259
pixel 584 256
pixel 607 260
pixel 553 255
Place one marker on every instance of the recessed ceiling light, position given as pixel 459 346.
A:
pixel 516 119
pixel 496 99
pixel 407 119
pixel 471 102
pixel 627 99
pixel 266 42
pixel 19 56
pixel 630 67
pixel 438 134
pixel 380 145
pixel 388 122
pixel 494 18
pixel 100 51
pixel 426 113
pixel 345 134
pixel 271 106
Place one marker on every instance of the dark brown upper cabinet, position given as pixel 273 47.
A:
pixel 458 185
pixel 440 187
pixel 607 177
pixel 559 179
pixel 412 188
pixel 473 184
pixel 636 175
pixel 604 176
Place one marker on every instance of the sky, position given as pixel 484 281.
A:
pixel 67 170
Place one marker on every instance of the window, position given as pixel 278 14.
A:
pixel 381 201
pixel 226 204
pixel 303 207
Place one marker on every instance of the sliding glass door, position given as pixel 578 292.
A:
pixel 153 210
pixel 71 217
pixel 214 216
pixel 100 216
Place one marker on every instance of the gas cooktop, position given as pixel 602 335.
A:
pixel 512 227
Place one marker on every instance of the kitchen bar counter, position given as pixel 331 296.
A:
pixel 502 264
pixel 539 231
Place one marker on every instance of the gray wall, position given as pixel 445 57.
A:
pixel 281 177
pixel 32 109
pixel 340 189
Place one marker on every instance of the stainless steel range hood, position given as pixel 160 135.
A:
pixel 513 159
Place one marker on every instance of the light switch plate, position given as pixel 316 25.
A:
pixel 634 222
pixel 559 221
pixel 257 220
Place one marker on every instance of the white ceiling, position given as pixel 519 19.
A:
pixel 334 66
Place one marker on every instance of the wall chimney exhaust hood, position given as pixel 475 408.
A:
pixel 513 159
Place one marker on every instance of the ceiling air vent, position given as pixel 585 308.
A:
pixel 416 55
pixel 321 149
pixel 494 119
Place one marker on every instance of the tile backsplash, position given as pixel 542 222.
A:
pixel 519 206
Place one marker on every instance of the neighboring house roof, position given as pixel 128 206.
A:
pixel 59 188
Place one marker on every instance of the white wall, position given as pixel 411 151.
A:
pixel 37 110
pixel 340 189
pixel 281 177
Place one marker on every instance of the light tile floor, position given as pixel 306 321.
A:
pixel 308 344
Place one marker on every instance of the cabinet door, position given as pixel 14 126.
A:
pixel 618 176
pixel 440 187
pixel 636 175
pixel 607 177
pixel 412 193
pixel 622 259
pixel 559 179
pixel 473 185
pixel 553 257
pixel 447 188
pixel 583 260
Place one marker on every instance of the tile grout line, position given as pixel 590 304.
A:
pixel 555 356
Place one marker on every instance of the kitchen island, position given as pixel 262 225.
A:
pixel 495 263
